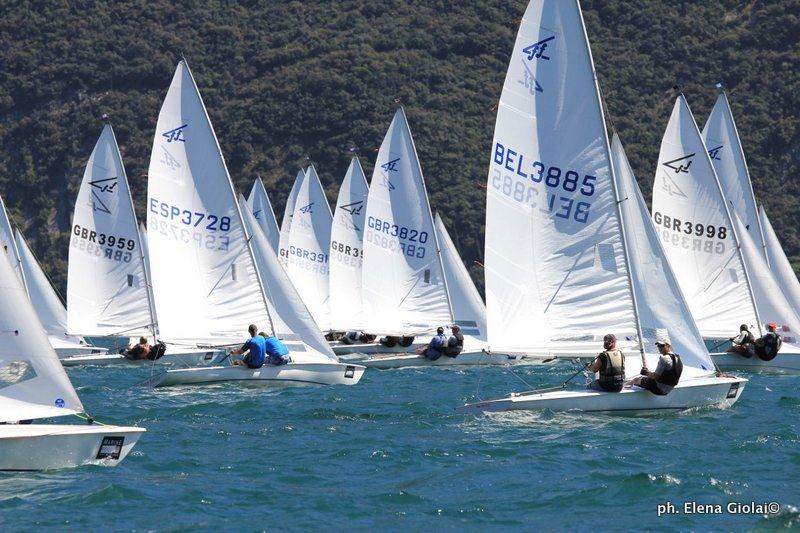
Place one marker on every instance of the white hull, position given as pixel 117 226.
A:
pixel 48 447
pixel 78 350
pixel 291 375
pixel 463 359
pixel 177 356
pixel 692 393
pixel 373 348
pixel 784 363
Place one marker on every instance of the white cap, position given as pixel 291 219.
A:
pixel 663 339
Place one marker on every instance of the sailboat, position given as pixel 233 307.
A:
pixel 33 385
pixel 108 286
pixel 779 263
pixel 286 222
pixel 309 246
pixel 721 269
pixel 571 254
pixel 206 281
pixel 41 293
pixel 259 204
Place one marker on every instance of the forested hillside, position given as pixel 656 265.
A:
pixel 289 80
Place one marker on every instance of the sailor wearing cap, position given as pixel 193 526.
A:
pixel 610 364
pixel 767 347
pixel 668 372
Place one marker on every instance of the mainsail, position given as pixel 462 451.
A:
pixel 469 310
pixel 556 275
pixel 309 243
pixel 286 223
pixel 725 150
pixel 106 284
pixel 205 285
pixel 403 283
pixel 7 243
pixel 346 253
pixel 261 207
pixel 693 222
pixel 661 306
pixel 779 263
pixel 33 383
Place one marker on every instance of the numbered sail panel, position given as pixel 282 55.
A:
pixel 554 255
pixel 258 203
pixel 346 252
pixel 725 150
pixel 33 383
pixel 309 243
pixel 106 286
pixel 779 263
pixel 693 225
pixel 291 320
pixel 662 307
pixel 203 274
pixel 7 244
pixel 403 284
pixel 286 223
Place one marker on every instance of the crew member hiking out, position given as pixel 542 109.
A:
pixel 768 346
pixel 667 374
pixel 455 344
pixel 610 364
pixel 434 349
pixel 277 352
pixel 138 351
pixel 744 343
pixel 255 350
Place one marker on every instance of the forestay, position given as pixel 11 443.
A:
pixel 725 150
pixel 261 207
pixel 779 263
pixel 291 320
pixel 7 243
pixel 286 223
pixel 693 223
pixel 106 284
pixel 309 243
pixel 556 278
pixel 205 286
pixel 661 306
pixel 33 383
pixel 468 308
pixel 346 253
pixel 403 284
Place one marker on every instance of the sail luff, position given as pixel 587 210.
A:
pixel 7 236
pixel 779 264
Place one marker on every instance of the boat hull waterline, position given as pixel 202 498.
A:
pixel 291 375
pixel 182 357
pixel 784 363
pixel 31 446
pixel 693 393
pixel 463 359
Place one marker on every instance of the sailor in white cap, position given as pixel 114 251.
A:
pixel 668 372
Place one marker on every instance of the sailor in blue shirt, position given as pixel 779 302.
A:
pixel 436 347
pixel 256 348
pixel 277 352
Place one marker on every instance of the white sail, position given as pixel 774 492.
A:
pixel 33 383
pixel 106 284
pixel 725 150
pixel 205 285
pixel 779 263
pixel 346 254
pixel 403 283
pixel 556 278
pixel 146 256
pixel 291 320
pixel 693 223
pixel 286 223
pixel 769 295
pixel 659 300
pixel 469 310
pixel 261 207
pixel 309 243
pixel 7 243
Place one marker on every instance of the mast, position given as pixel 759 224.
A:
pixel 639 333
pixel 430 215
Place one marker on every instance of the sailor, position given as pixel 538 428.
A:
pixel 138 351
pixel 351 337
pixel 667 374
pixel 744 343
pixel 455 343
pixel 768 346
pixel 610 364
pixel 256 348
pixel 434 349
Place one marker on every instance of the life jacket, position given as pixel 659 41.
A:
pixel 612 374
pixel 455 345
pixel 389 342
pixel 767 346
pixel 157 351
pixel 673 375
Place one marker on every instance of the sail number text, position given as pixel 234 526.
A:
pixel 393 237
pixel 195 219
pixel 102 245
pixel 690 235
